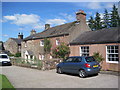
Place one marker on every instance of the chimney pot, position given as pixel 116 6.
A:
pixel 33 32
pixel 20 36
pixel 47 26
pixel 81 16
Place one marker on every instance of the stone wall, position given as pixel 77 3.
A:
pixel 11 46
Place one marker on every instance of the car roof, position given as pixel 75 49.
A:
pixel 3 54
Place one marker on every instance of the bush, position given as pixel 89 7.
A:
pixel 18 55
pixel 62 51
pixel 98 57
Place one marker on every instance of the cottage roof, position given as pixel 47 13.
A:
pixel 18 41
pixel 107 35
pixel 59 30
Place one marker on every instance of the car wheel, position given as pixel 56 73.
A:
pixel 82 74
pixel 59 71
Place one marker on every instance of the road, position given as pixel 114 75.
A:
pixel 22 77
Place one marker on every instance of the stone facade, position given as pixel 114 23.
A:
pixel 13 45
pixel 58 34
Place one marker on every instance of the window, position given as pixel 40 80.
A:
pixel 112 54
pixel 41 57
pixel 77 59
pixel 57 41
pixel 42 43
pixel 69 60
pixel 84 51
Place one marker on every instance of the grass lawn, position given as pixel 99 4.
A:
pixel 4 83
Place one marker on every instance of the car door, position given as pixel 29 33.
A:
pixel 67 65
pixel 76 64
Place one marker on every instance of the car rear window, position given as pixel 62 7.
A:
pixel 90 59
pixel 3 56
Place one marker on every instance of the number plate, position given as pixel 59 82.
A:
pixel 95 66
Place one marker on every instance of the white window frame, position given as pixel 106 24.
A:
pixel 42 43
pixel 111 53
pixel 57 41
pixel 41 57
pixel 83 52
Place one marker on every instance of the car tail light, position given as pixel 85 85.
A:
pixel 87 65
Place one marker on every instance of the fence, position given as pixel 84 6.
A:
pixel 36 63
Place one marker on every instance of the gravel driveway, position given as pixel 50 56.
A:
pixel 22 77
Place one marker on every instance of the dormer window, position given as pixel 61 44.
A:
pixel 42 43
pixel 57 41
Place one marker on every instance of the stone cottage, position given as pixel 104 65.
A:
pixel 81 40
pixel 32 46
pixel 13 45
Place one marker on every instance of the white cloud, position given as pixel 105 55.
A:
pixel 56 21
pixel 5 35
pixel 39 26
pixel 23 19
pixel 94 5
pixel 68 17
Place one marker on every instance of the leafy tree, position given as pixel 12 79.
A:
pixel 106 19
pixel 47 46
pixel 91 23
pixel 62 51
pixel 98 23
pixel 115 19
pixel 98 57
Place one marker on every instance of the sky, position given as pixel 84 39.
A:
pixel 24 16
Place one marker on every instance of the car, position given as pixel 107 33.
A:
pixel 4 60
pixel 81 65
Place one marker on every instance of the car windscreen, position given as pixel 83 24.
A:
pixel 90 59
pixel 4 56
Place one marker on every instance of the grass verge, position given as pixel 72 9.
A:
pixel 5 83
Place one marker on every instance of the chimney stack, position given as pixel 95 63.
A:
pixel 47 26
pixel 20 36
pixel 33 32
pixel 81 16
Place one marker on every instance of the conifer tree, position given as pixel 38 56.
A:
pixel 98 23
pixel 91 23
pixel 115 20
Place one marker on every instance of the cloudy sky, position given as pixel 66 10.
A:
pixel 25 16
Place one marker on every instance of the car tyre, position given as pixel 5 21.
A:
pixel 82 74
pixel 59 70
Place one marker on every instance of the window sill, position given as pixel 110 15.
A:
pixel 112 62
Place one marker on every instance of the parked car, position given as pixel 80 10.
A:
pixel 4 60
pixel 81 65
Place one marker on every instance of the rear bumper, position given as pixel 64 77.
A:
pixel 5 64
pixel 90 71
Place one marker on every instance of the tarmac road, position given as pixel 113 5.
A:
pixel 22 77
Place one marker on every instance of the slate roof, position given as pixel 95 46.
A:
pixel 59 30
pixel 107 35
pixel 18 41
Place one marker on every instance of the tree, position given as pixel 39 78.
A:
pixel 91 23
pixel 115 19
pixel 98 23
pixel 62 51
pixel 47 46
pixel 106 19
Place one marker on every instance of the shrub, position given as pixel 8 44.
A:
pixel 98 57
pixel 62 51
pixel 18 55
